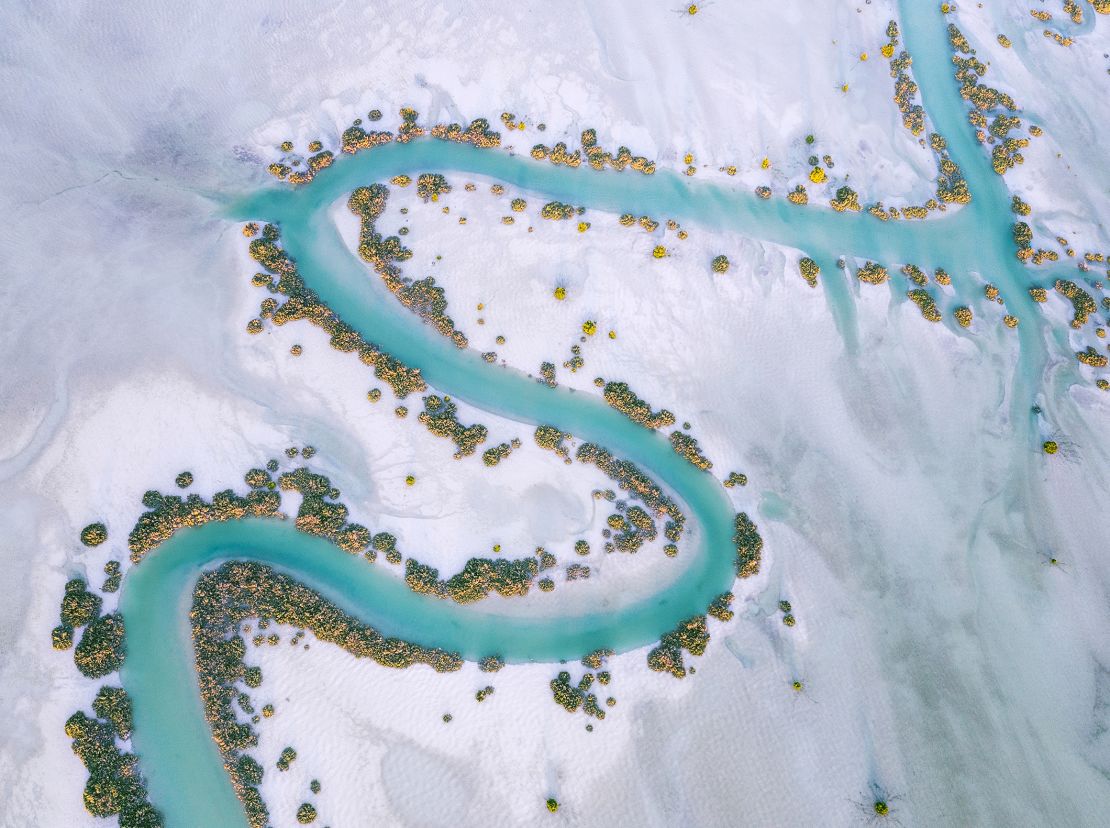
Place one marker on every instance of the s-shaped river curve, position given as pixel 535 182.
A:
pixel 184 770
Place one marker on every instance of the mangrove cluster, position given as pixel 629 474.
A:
pixel 477 579
pixel 440 417
pixel 240 590
pixel 303 303
pixel 596 156
pixel 115 786
pixel 624 399
pixel 423 297
pixel 638 484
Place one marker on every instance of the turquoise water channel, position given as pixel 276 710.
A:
pixel 185 773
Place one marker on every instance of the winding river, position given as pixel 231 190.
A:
pixel 184 770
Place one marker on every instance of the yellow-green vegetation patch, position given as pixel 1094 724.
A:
pixel 440 417
pixel 691 635
pixel 846 200
pixel 638 484
pixel 422 296
pixel 477 134
pixel 557 154
pixel 100 650
pixel 721 607
pixel 872 273
pixel 810 270
pixel 687 446
pixel 493 456
pixel 491 664
pixel 577 572
pixel 1091 357
pixel 303 303
pixel 409 129
pixel 484 693
pixel 285 759
pixel 321 514
pixel 319 160
pixel 905 89
pixel 94 534
pixel 61 637
pixel 576 361
pixel 735 479
pixel 430 186
pixel 596 156
pixel 798 196
pixel 551 439
pixel 625 400
pixel 114 706
pixel 547 374
pixel 926 303
pixel 79 606
pixel 915 274
pixel 595 660
pixel 168 513
pixel 239 590
pixel 1023 238
pixel 633 529
pixel 115 786
pixel 1081 301
pixel 571 697
pixel 557 211
pixel 477 579
pixel 951 185
pixel 1006 150
pixel 749 546
pixel 356 138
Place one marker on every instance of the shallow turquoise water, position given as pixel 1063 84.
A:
pixel 181 762
pixel 180 759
